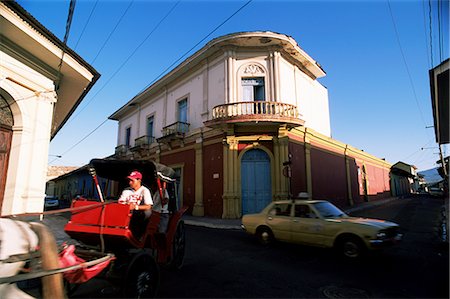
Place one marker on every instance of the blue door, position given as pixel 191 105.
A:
pixel 255 181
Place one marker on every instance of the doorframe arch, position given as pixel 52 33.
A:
pixel 272 168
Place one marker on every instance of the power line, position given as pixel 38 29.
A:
pixel 111 33
pixel 405 63
pixel 425 33
pixel 85 25
pixel 66 37
pixel 126 60
pixel 82 139
pixel 187 52
pixel 123 64
pixel 220 25
pixel 431 31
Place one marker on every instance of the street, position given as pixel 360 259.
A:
pixel 230 263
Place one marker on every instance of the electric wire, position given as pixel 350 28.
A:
pixel 425 33
pixel 406 64
pixel 439 30
pixel 112 32
pixel 66 37
pixel 126 61
pixel 193 47
pixel 80 141
pixel 85 25
pixel 430 25
pixel 215 29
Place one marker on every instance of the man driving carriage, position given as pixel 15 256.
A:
pixel 140 201
pixel 137 195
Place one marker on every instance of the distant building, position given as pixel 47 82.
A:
pixel 36 99
pixel 404 179
pixel 79 182
pixel 231 117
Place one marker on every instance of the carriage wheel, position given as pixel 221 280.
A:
pixel 178 247
pixel 142 277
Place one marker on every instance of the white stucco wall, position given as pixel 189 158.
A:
pixel 310 97
pixel 218 82
pixel 31 103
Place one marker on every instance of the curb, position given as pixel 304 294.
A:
pixel 211 225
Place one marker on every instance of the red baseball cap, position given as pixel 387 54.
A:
pixel 135 175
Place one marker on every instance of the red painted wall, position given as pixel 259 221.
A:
pixel 298 167
pixel 378 182
pixel 354 180
pixel 329 180
pixel 187 158
pixel 213 187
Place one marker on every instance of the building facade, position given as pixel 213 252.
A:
pixel 244 121
pixel 41 84
pixel 404 179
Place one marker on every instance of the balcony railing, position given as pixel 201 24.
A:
pixel 179 128
pixel 144 140
pixel 121 150
pixel 256 111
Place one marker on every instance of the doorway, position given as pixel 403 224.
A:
pixel 256 181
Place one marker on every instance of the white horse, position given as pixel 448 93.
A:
pixel 19 237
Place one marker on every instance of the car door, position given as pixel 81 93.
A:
pixel 279 219
pixel 306 226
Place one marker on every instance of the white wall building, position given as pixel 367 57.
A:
pixel 239 67
pixel 36 99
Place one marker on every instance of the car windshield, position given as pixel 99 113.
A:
pixel 328 210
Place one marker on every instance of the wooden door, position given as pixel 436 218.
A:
pixel 5 146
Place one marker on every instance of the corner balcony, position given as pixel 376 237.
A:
pixel 175 131
pixel 250 113
pixel 142 142
pixel 121 150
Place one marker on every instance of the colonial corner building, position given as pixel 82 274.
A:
pixel 234 117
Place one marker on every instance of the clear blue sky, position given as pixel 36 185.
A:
pixel 377 72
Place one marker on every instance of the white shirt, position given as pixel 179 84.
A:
pixel 158 206
pixel 141 195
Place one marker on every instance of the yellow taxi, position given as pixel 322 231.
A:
pixel 320 223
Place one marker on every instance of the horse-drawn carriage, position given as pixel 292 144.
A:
pixel 102 228
pixel 107 227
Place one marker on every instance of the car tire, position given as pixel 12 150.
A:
pixel 351 247
pixel 264 235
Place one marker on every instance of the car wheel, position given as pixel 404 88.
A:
pixel 264 235
pixel 351 247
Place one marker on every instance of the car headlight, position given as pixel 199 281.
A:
pixel 381 235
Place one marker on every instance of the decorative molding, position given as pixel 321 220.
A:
pixel 253 69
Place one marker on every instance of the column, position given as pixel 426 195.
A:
pixel 278 169
pixel 199 209
pixel 308 171
pixel 231 196
pixel 348 176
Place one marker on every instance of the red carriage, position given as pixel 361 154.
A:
pixel 106 226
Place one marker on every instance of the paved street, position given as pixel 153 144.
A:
pixel 229 263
